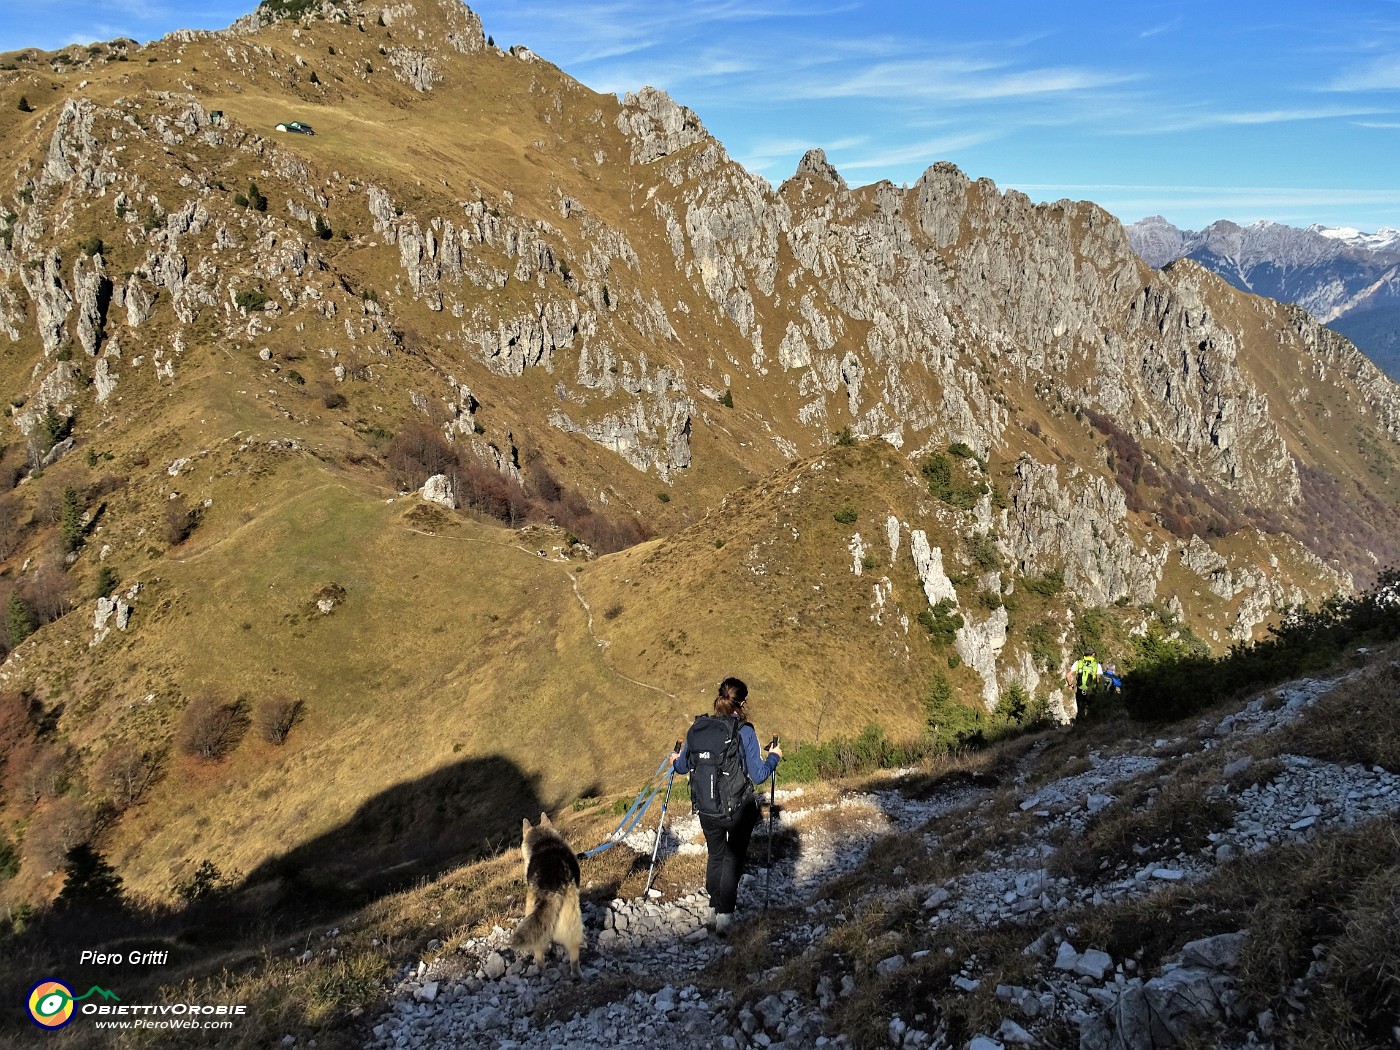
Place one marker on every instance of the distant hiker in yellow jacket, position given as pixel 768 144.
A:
pixel 1084 675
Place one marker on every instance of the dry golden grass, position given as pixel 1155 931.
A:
pixel 1338 894
pixel 1357 721
pixel 282 528
pixel 981 767
pixel 692 612
pixel 839 818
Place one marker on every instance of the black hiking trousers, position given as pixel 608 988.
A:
pixel 1081 703
pixel 728 846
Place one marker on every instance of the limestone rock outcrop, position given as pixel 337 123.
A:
pixel 657 126
pixel 1081 532
pixel 440 490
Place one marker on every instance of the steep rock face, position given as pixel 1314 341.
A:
pixel 443 261
pixel 1080 530
pixel 415 68
pixel 656 126
pixel 51 299
pixel 814 162
pixel 94 292
pixel 1330 358
pixel 979 643
pixel 72 149
pixel 432 22
pixel 11 312
pixel 1204 404
pixel 928 564
pixel 1156 241
pixel 1044 304
pixel 59 390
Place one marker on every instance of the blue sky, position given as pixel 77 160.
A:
pixel 1287 110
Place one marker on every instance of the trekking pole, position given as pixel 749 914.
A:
pixel 772 799
pixel 655 849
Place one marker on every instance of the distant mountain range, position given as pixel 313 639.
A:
pixel 1347 279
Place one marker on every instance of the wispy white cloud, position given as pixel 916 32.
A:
pixel 1165 27
pixel 1187 121
pixel 100 32
pixel 957 79
pixel 1285 116
pixel 921 153
pixel 760 154
pixel 1222 199
pixel 1382 74
pixel 588 32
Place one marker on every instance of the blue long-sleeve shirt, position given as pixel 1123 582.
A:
pixel 756 766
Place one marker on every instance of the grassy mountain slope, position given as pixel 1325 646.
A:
pixel 588 297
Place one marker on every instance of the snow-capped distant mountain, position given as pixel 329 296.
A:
pixel 1383 240
pixel 1347 279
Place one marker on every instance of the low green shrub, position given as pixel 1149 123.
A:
pixel 1049 585
pixel 951 483
pixel 1171 678
pixel 251 299
pixel 941 622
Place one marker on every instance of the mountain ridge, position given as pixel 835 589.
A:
pixel 1347 279
pixel 275 336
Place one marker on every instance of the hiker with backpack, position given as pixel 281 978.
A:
pixel 1084 675
pixel 722 756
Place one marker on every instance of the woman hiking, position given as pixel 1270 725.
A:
pixel 722 756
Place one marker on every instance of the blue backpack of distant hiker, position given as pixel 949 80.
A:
pixel 719 785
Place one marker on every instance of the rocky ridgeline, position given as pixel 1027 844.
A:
pixel 1040 293
pixel 1330 273
pixel 654 953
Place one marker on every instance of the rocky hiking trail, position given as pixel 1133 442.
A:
pixel 647 964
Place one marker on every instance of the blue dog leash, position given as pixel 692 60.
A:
pixel 636 811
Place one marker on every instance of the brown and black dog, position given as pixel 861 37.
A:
pixel 551 894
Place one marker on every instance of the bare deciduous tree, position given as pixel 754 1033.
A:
pixel 48 592
pixel 55 830
pixel 177 521
pixel 275 718
pixel 48 776
pixel 11 525
pixel 416 453
pixel 125 774
pixel 211 728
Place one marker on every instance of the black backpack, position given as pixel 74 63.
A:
pixel 719 786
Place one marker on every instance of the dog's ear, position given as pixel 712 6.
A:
pixel 525 827
pixel 544 820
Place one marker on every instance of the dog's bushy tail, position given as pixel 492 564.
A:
pixel 537 929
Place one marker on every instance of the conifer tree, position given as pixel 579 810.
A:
pixel 19 619
pixel 91 880
pixel 70 523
